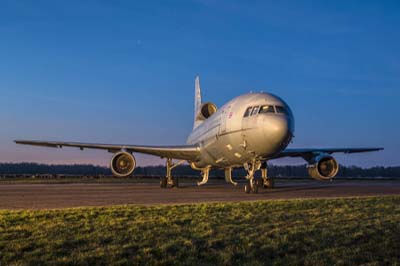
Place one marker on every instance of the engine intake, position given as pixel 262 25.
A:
pixel 206 110
pixel 323 167
pixel 122 164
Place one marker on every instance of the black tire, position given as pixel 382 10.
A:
pixel 175 182
pixel 269 184
pixel 255 188
pixel 163 182
pixel 247 188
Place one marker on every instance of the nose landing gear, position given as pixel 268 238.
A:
pixel 251 186
pixel 252 183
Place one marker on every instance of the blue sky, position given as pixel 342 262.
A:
pixel 123 71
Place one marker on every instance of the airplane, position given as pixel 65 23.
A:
pixel 248 131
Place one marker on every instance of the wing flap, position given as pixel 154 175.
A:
pixel 183 152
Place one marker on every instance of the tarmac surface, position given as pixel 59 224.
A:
pixel 57 196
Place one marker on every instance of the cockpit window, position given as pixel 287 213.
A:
pixel 281 110
pixel 248 112
pixel 271 109
pixel 255 110
pixel 267 109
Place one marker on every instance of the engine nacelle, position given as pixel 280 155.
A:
pixel 206 110
pixel 323 167
pixel 122 164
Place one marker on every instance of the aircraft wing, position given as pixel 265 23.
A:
pixel 183 152
pixel 307 153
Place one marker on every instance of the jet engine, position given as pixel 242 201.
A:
pixel 122 164
pixel 323 167
pixel 206 110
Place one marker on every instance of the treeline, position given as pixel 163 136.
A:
pixel 184 170
pixel 52 169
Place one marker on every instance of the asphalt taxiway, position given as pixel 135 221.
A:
pixel 56 196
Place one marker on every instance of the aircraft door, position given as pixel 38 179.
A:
pixel 247 119
pixel 224 118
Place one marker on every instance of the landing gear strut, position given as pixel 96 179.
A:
pixel 228 176
pixel 268 182
pixel 168 180
pixel 205 173
pixel 252 183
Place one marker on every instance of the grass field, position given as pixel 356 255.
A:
pixel 308 232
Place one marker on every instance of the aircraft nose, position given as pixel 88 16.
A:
pixel 279 126
pixel 279 129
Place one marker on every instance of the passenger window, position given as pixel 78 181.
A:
pixel 281 110
pixel 255 110
pixel 267 109
pixel 248 112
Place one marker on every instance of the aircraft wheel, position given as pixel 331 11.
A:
pixel 269 183
pixel 247 188
pixel 175 182
pixel 258 182
pixel 163 182
pixel 255 187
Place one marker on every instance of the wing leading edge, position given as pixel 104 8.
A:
pixel 183 152
pixel 305 153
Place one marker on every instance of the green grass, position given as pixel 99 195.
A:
pixel 358 231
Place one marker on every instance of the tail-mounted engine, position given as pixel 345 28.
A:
pixel 205 111
pixel 323 167
pixel 122 164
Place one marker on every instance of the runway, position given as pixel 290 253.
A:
pixel 56 196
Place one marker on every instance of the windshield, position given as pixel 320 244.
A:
pixel 281 110
pixel 267 109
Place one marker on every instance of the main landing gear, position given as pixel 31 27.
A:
pixel 252 182
pixel 268 182
pixel 168 180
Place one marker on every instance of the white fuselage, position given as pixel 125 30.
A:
pixel 230 138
